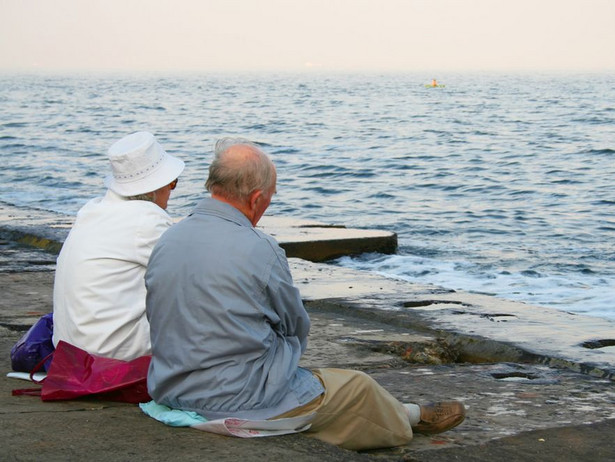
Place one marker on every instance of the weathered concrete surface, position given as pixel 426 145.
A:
pixel 34 227
pixel 479 327
pixel 317 242
pixel 516 410
pixel 538 383
pixel 305 239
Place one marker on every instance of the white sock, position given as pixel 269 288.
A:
pixel 414 413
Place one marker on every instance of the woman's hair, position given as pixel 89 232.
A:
pixel 237 176
pixel 150 197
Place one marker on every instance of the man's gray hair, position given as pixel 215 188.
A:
pixel 236 179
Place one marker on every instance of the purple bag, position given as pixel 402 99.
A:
pixel 34 346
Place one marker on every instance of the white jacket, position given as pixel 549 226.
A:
pixel 99 290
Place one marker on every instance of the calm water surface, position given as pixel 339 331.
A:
pixel 498 184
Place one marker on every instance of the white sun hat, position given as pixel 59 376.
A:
pixel 139 165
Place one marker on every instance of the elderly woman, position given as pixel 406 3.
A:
pixel 99 290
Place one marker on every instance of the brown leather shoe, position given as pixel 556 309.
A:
pixel 440 417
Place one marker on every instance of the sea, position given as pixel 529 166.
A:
pixel 495 183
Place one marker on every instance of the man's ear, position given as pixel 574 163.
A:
pixel 254 196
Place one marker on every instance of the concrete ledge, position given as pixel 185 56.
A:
pixel 537 382
pixel 517 409
pixel 480 328
pixel 318 242
pixel 304 239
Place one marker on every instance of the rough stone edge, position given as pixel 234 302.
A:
pixel 471 348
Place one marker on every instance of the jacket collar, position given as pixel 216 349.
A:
pixel 209 206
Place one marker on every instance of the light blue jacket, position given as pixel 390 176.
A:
pixel 227 324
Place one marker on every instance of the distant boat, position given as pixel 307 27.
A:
pixel 434 84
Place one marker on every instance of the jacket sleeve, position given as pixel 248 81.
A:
pixel 286 302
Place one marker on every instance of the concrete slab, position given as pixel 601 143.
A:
pixel 319 242
pixel 473 321
pixel 534 380
pixel 515 410
pixel 305 239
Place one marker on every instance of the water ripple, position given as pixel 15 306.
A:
pixel 488 182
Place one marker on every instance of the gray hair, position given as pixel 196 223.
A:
pixel 237 178
pixel 150 197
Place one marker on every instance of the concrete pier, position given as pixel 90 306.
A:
pixel 309 240
pixel 538 383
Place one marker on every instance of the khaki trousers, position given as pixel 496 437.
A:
pixel 355 412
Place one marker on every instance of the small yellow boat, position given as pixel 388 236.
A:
pixel 434 84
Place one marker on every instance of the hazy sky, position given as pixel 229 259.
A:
pixel 294 35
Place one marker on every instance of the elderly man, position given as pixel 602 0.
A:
pixel 99 289
pixel 228 327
